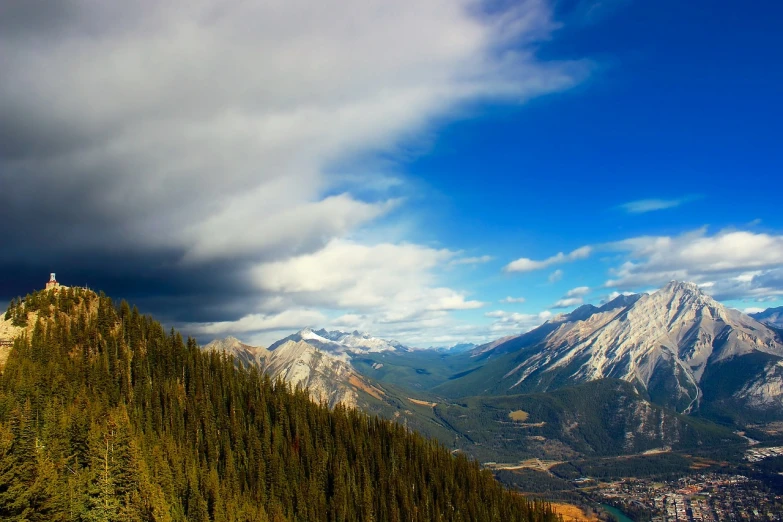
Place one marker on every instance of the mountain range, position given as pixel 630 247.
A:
pixel 678 344
pixel 678 350
pixel 306 360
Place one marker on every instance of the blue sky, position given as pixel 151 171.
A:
pixel 402 170
pixel 677 129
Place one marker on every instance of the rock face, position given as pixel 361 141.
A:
pixel 244 353
pixel 669 342
pixel 8 332
pixel 330 378
pixel 766 389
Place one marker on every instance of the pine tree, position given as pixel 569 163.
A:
pixel 9 313
pixel 102 501
pixel 17 465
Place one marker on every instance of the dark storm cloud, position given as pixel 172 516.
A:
pixel 152 281
pixel 33 18
pixel 161 151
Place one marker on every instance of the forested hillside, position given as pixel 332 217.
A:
pixel 105 416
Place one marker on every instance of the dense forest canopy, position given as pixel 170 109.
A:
pixel 106 416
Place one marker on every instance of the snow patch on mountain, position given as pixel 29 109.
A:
pixel 338 343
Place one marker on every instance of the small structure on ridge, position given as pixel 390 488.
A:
pixel 52 282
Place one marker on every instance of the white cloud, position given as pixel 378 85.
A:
pixel 730 264
pixel 746 277
pixel 510 299
pixel 753 310
pixel 300 228
pixel 649 205
pixel 513 323
pixel 555 276
pixel 573 297
pixel 348 320
pixel 288 319
pixel 353 274
pixel 524 264
pixel 375 285
pixel 579 291
pixel 454 301
pixel 568 302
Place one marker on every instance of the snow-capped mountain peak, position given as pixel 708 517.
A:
pixel 308 334
pixel 338 342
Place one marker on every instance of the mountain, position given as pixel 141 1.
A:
pixel 600 417
pixel 770 317
pixel 245 354
pixel 678 344
pixel 584 312
pixel 108 416
pixel 337 342
pixel 329 378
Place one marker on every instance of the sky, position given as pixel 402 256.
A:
pixel 434 172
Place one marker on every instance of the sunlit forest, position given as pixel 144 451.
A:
pixel 104 415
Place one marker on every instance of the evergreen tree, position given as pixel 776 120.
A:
pixel 9 313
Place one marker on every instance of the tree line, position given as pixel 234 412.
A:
pixel 106 416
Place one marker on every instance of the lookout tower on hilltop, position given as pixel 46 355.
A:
pixel 52 282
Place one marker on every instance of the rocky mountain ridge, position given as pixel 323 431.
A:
pixel 329 378
pixel 669 342
pixel 683 350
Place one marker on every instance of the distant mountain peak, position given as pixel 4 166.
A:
pixel 225 343
pixel 338 342
pixel 770 316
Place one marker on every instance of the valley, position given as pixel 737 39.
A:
pixel 686 374
pixel 570 407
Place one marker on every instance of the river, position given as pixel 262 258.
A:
pixel 619 515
